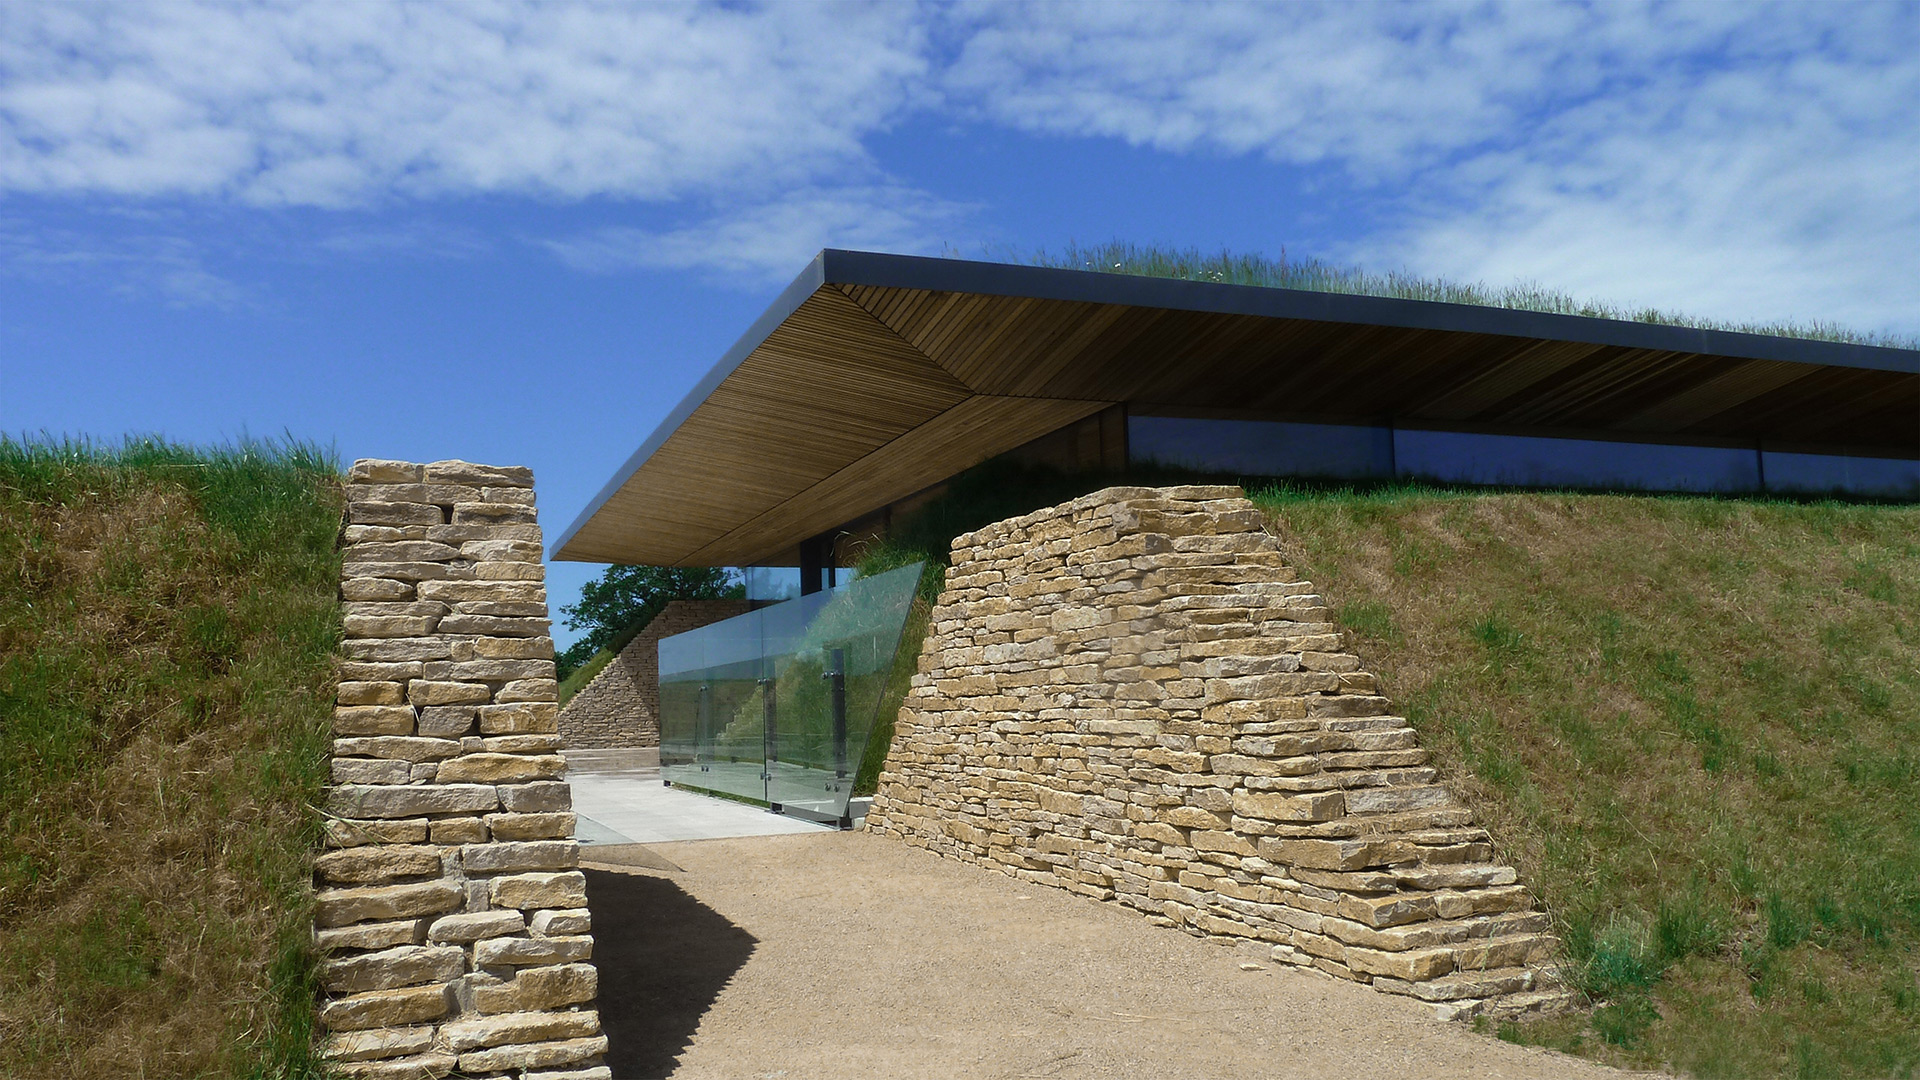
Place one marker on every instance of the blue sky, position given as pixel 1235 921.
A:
pixel 519 234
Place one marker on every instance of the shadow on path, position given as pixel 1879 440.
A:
pixel 663 958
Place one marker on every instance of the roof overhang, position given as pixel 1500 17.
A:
pixel 874 376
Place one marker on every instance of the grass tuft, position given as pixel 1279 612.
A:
pixel 1316 275
pixel 1691 724
pixel 168 628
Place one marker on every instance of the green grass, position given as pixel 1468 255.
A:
pixel 1314 275
pixel 1694 726
pixel 168 626
pixel 579 677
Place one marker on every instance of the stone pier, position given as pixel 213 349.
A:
pixel 451 913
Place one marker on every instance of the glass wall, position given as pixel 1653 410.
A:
pixel 1331 451
pixel 776 705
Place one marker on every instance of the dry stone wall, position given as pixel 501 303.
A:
pixel 1129 696
pixel 450 913
pixel 620 708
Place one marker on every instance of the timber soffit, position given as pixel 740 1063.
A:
pixel 947 318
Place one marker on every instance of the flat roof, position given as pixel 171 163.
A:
pixel 873 376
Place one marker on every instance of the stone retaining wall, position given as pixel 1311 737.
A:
pixel 620 708
pixel 1129 696
pixel 450 912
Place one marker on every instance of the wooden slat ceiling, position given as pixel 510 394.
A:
pixel 864 394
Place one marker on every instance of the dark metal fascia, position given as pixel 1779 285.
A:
pixel 1087 286
pixel 784 305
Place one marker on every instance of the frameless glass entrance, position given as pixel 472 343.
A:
pixel 776 705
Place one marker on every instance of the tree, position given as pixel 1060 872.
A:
pixel 617 606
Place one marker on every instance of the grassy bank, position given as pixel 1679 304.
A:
pixel 168 620
pixel 1695 726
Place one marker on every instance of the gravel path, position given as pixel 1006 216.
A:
pixel 850 955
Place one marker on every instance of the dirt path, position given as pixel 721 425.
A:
pixel 849 955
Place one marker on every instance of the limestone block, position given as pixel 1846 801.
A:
pixel 370 935
pixel 1394 909
pixel 533 1055
pixel 503 670
pixel 543 690
pixel 365 771
pixel 387 513
pixel 453 592
pixel 531 952
pixel 425 692
pixel 396 649
pixel 375 588
pixel 509 571
pixel 513 610
pixel 474 926
pixel 561 923
pixel 345 832
pixel 377 1043
pixel 431 1065
pixel 383 471
pixel 1413 966
pixel 391 969
pixel 365 801
pixel 494 625
pixel 362 534
pixel 529 891
pixel 521 744
pixel 467 472
pixel 501 768
pixel 400 748
pixel 537 798
pixel 1391 800
pixel 502 856
pixel 339 907
pixel 373 720
pixel 388 625
pixel 557 826
pixel 1460 905
pixel 598 1072
pixel 1318 806
pixel 529 717
pixel 461 830
pixel 486 513
pixel 370 693
pixel 385 1008
pixel 378 862
pixel 402 551
pixel 540 988
pixel 447 721
pixel 512 648
pixel 519 1027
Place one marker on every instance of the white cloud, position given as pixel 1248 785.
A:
pixel 1741 162
pixel 338 104
pixel 769 241
pixel 135 262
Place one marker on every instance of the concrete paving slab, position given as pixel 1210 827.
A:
pixel 619 799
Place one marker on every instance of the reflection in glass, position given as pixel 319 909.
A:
pixel 775 706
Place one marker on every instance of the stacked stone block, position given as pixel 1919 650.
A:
pixel 1129 696
pixel 451 915
pixel 620 708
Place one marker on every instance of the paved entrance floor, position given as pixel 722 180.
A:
pixel 850 955
pixel 619 799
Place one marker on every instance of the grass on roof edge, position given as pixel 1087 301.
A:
pixel 169 626
pixel 1316 275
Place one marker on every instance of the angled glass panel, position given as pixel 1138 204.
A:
pixel 776 705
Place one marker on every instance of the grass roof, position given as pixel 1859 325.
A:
pixel 1315 275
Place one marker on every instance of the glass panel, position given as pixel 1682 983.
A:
pixel 769 583
pixel 776 705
